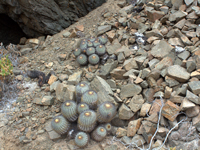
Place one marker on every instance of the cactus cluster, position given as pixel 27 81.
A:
pixel 91 120
pixel 91 50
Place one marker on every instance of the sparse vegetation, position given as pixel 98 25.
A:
pixel 5 66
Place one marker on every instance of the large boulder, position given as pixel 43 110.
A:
pixel 37 17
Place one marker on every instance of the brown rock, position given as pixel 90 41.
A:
pixel 145 109
pixel 121 132
pixel 79 28
pixel 133 126
pixel 154 15
pixel 156 106
pixel 52 79
pixel 170 110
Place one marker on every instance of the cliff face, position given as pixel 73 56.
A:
pixel 38 17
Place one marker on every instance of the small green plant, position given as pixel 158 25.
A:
pixel 6 66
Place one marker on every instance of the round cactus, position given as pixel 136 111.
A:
pixel 106 112
pixel 91 39
pixel 81 139
pixel 77 52
pixel 96 43
pixel 69 110
pixel 90 97
pixel 89 43
pixel 108 127
pixel 81 88
pixel 99 133
pixel 103 39
pixel 60 124
pixel 90 51
pixel 82 107
pixel 100 50
pixel 87 120
pixel 82 59
pixel 83 44
pixel 93 59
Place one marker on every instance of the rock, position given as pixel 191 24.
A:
pixel 167 92
pixel 49 17
pixel 145 109
pixel 184 38
pixel 19 77
pixel 186 104
pixel 178 73
pixel 161 49
pixel 130 90
pixel 192 112
pixel 120 58
pixel 62 57
pixel 180 23
pixel 130 64
pixel 153 15
pixel 103 29
pixel 107 68
pixel 53 135
pixel 188 2
pixel 53 86
pixel 64 92
pixel 126 139
pixel 66 34
pixel 127 9
pixel 149 130
pixel 99 84
pixel 133 126
pixel 47 100
pixel 75 78
pixel 117 73
pixel 191 66
pixel 136 103
pixel 24 51
pixel 170 110
pixel 194 87
pixel 52 79
pixel 125 113
pixel 111 48
pixel 63 77
pixel 121 132
pixel 148 94
pixel 178 15
pixel 192 97
pixel 156 106
pixel 138 140
pixel 155 33
pixel 112 83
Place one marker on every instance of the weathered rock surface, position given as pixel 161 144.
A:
pixel 46 17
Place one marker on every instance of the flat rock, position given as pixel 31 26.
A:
pixel 47 100
pixel 121 132
pixel 186 104
pixel 161 49
pixel 178 73
pixel 125 113
pixel 111 48
pixel 145 109
pixel 154 15
pixel 138 140
pixel 155 33
pixel 130 90
pixel 192 112
pixel 178 15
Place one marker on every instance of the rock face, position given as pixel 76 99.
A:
pixel 46 17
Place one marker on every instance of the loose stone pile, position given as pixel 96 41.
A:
pixel 83 111
pixel 158 79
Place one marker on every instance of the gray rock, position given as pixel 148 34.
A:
pixel 103 29
pixel 99 84
pixel 155 33
pixel 53 86
pixel 127 9
pixel 125 113
pixel 130 64
pixel 192 97
pixel 63 77
pixel 130 90
pixel 16 71
pixel 111 48
pixel 188 2
pixel 195 87
pixel 136 103
pixel 178 15
pixel 47 100
pixel 25 50
pixel 178 73
pixel 192 112
pixel 161 49
pixel 117 73
pixel 126 139
pixel 191 66
pixel 66 34
pixel 64 92
pixel 184 55
pixel 152 63
pixel 138 140
pixel 75 78
pixel 112 83
pixel 107 68
pixel 120 58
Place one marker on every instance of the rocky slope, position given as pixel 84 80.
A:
pixel 154 80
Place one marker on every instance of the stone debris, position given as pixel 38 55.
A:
pixel 151 66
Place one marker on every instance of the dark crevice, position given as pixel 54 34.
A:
pixel 10 32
